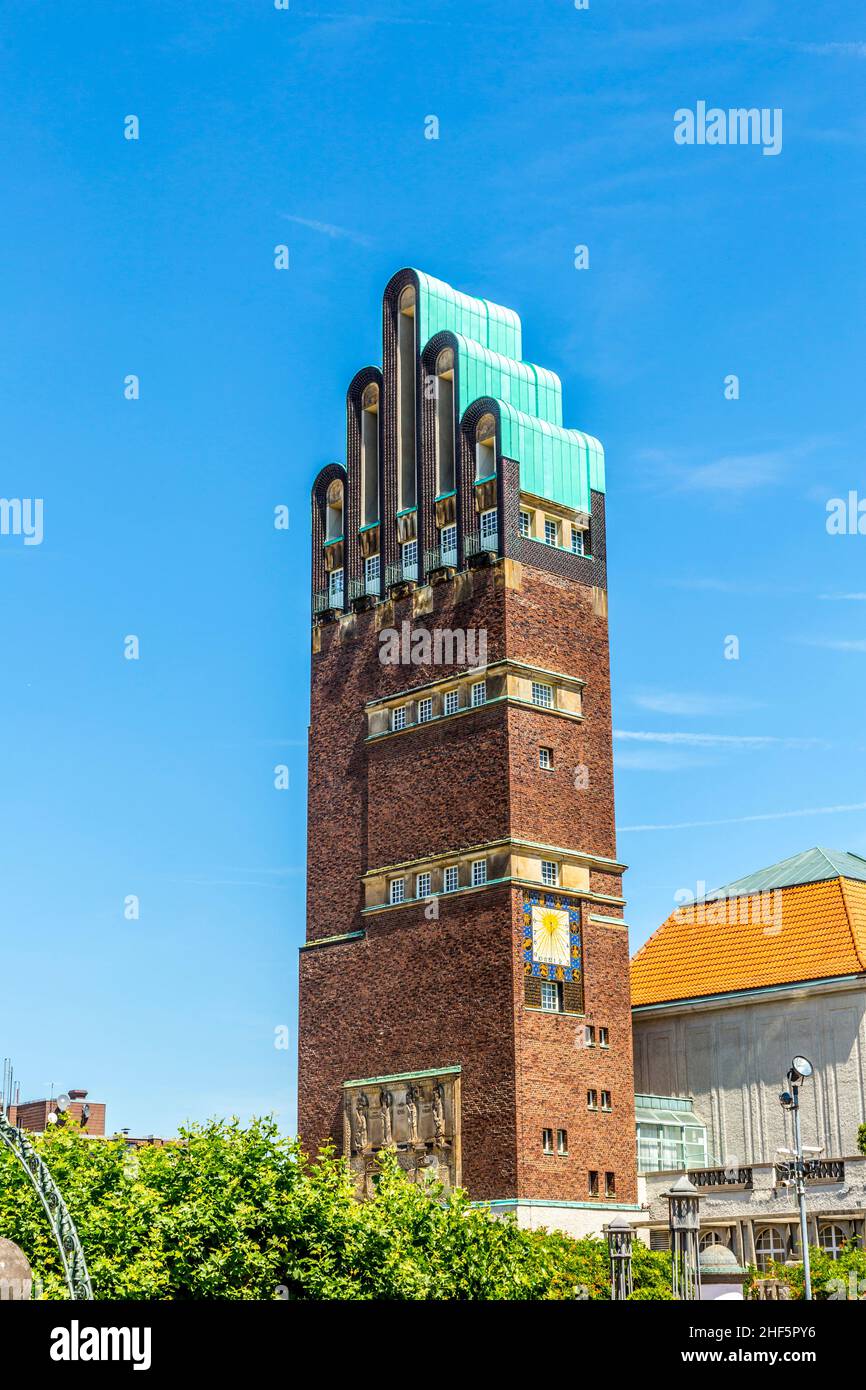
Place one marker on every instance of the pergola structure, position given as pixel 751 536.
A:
pixel 61 1223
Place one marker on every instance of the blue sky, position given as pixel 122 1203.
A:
pixel 155 257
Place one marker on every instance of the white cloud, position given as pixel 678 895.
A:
pixel 836 644
pixel 329 229
pixel 682 703
pixel 694 740
pixel 743 820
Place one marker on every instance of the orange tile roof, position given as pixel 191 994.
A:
pixel 805 932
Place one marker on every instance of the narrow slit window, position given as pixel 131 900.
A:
pixel 445 422
pixel 485 448
pixel 370 455
pixel 406 397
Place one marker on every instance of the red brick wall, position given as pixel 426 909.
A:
pixel 413 995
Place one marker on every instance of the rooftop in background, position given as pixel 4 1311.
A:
pixel 811 866
pixel 801 919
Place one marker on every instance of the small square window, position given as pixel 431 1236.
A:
pixel 371 574
pixel 422 886
pixel 547 1141
pixel 425 710
pixel 542 695
pixel 545 759
pixel 398 717
pixel 409 557
pixel 610 1184
pixel 603 1037
pixel 551 996
pixel 525 523
pixel 479 872
pixel 589 1035
pixel 592 1182
pixel 592 1100
pixel 448 545
pixel 576 541
pixel 489 530
pixel 452 701
pixel 549 873
pixel 605 1100
pixel 551 532
pixel 478 693
pixel 451 879
pixel 562 1141
pixel 397 890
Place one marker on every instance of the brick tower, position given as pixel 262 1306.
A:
pixel 464 984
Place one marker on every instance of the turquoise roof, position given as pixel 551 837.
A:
pixel 562 465
pixel 482 372
pixel 491 325
pixel 811 866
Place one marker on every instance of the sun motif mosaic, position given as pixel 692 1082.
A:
pixel 551 937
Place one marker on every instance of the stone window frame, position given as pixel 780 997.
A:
pixel 551 988
pixel 550 873
pixel 507 680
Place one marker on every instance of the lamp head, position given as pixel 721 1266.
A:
pixel 801 1068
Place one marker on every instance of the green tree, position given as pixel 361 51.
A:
pixel 233 1212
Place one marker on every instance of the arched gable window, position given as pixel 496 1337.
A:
pixel 406 397
pixel 445 421
pixel 485 447
pixel 370 455
pixel 334 511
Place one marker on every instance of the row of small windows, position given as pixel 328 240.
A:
pixel 592 1100
pixel 450 881
pixel 447 556
pixel 555 532
pixel 450 705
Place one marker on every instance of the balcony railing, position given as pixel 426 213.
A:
pixel 816 1170
pixel 721 1177
pixel 438 558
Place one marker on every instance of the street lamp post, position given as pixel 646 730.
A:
pixel 800 1069
pixel 619 1236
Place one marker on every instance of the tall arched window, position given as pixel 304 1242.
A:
pixel 406 397
pixel 485 447
pixel 771 1243
pixel 445 421
pixel 370 455
pixel 832 1239
pixel 334 515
